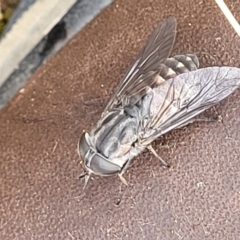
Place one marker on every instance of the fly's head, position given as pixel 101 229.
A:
pixel 94 162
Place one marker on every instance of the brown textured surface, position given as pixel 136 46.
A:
pixel 40 195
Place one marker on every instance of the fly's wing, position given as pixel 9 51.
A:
pixel 147 65
pixel 179 99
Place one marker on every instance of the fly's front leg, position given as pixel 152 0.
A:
pixel 123 170
pixel 86 176
pixel 151 149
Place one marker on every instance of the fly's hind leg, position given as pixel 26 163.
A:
pixel 196 119
pixel 151 149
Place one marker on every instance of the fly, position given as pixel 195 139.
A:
pixel 157 94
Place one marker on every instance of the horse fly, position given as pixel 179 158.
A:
pixel 157 94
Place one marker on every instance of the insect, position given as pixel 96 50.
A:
pixel 157 94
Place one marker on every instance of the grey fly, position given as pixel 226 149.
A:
pixel 156 95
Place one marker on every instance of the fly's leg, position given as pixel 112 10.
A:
pixel 86 176
pixel 212 117
pixel 193 120
pixel 151 149
pixel 122 179
pixel 206 119
pixel 121 196
pixel 120 175
pixel 123 170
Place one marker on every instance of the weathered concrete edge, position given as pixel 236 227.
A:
pixel 87 11
pixel 28 31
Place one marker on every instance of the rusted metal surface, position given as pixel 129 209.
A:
pixel 41 196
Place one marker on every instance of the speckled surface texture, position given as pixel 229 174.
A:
pixel 40 195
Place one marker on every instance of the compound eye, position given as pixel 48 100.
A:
pixel 95 161
pixel 103 166
pixel 83 145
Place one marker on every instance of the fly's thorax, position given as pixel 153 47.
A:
pixel 113 143
pixel 117 131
